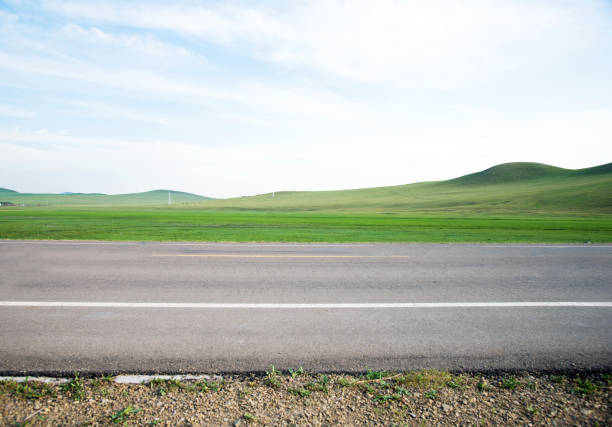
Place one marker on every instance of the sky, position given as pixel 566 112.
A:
pixel 232 98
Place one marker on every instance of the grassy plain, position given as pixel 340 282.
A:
pixel 520 202
pixel 195 225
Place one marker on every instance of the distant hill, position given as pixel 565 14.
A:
pixel 510 172
pixel 155 197
pixel 506 188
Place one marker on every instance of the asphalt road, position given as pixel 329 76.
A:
pixel 111 339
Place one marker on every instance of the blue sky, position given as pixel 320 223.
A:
pixel 240 97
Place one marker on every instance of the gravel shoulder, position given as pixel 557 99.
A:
pixel 298 398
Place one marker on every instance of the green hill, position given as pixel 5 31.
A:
pixel 510 172
pixel 505 188
pixel 155 197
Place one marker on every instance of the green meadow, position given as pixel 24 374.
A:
pixel 518 202
pixel 191 225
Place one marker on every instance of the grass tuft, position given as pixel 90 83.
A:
pixel 74 387
pixel 510 383
pixel 272 377
pixel 27 390
pixel 584 387
pixel 428 378
pixel 120 417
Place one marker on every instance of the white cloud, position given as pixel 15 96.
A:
pixel 437 44
pixel 12 111
pixel 282 100
pixel 105 111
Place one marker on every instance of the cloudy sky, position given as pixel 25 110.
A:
pixel 230 98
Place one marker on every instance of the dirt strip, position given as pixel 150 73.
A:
pixel 299 398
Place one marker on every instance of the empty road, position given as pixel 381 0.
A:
pixel 193 307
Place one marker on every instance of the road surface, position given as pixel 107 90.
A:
pixel 196 307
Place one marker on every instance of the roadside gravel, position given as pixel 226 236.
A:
pixel 375 398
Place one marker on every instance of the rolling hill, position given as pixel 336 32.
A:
pixel 505 188
pixel 155 197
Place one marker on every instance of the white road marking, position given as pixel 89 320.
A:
pixel 245 255
pixel 78 304
pixel 589 246
pixel 47 380
pixel 120 379
pixel 153 243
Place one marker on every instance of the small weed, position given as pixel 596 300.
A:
pixel 483 386
pixel 302 392
pixel 559 379
pixel 345 382
pixel 367 388
pixel 425 379
pixel 272 377
pixel 430 394
pixel 165 386
pixel 74 387
pixel 510 383
pixel 584 387
pixel 458 382
pixel 606 378
pixel 532 410
pixel 26 389
pixel 119 417
pixel 97 382
pixel 376 375
pixel 205 386
pixel 384 384
pixel 296 372
pixel 154 422
pixel 382 398
pixel 249 418
pixel 402 391
pixel 317 387
pixel 172 384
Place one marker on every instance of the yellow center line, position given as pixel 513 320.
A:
pixel 278 256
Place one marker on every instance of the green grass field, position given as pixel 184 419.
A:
pixel 522 202
pixel 188 225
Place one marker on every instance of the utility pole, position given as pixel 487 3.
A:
pixel 169 198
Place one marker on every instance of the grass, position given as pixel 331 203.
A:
pixel 74 387
pixel 120 417
pixel 510 383
pixel 584 387
pixel 513 188
pixel 302 392
pixel 184 225
pixel 27 390
pixel 272 377
pixel 430 394
pixel 249 417
pixel 516 203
